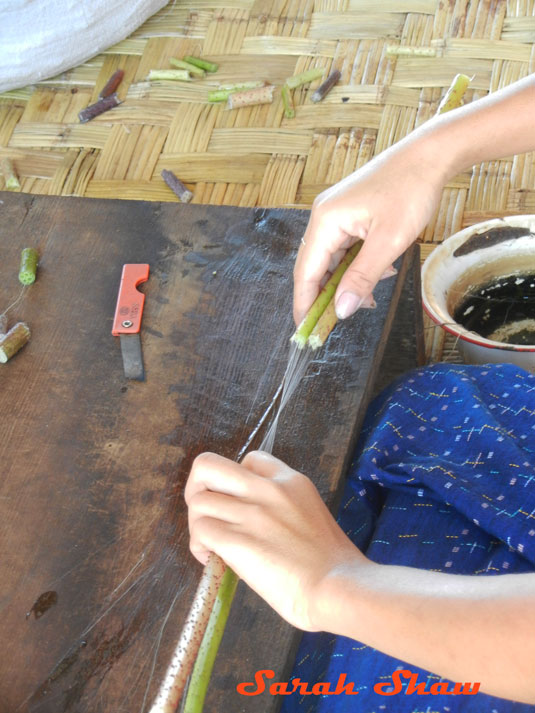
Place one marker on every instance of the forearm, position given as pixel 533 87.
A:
pixel 464 628
pixel 496 126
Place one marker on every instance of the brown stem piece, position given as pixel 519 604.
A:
pixel 10 176
pixel 322 91
pixel 14 340
pixel 99 107
pixel 3 324
pixel 176 185
pixel 112 84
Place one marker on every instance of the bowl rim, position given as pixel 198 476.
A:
pixel 447 247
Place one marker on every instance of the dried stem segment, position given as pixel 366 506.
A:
pixel 200 678
pixel 322 91
pixel 10 177
pixel 191 637
pixel 172 75
pixel 304 78
pixel 410 51
pixel 260 95
pixel 3 324
pixel 29 258
pixel 287 102
pixel 111 85
pixel 176 185
pixel 454 96
pixel 14 340
pixel 202 63
pixel 319 306
pixel 99 107
pixel 191 68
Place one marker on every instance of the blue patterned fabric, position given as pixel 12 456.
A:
pixel 443 479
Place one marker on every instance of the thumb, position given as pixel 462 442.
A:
pixel 361 277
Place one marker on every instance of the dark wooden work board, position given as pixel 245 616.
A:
pixel 93 526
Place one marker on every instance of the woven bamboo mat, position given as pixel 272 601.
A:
pixel 254 156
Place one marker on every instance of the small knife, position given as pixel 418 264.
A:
pixel 127 320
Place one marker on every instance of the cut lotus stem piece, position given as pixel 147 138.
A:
pixel 192 68
pixel 191 637
pixel 324 327
pixel 304 78
pixel 319 306
pixel 99 107
pixel 454 96
pixel 176 185
pixel 260 95
pixel 14 340
pixel 10 177
pixel 287 102
pixel 112 84
pixel 202 63
pixel 224 91
pixel 326 87
pixel 200 677
pixel 410 51
pixel 171 75
pixel 29 258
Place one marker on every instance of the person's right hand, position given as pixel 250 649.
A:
pixel 387 203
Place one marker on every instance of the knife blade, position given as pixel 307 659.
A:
pixel 127 319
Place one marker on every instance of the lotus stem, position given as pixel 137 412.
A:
pixel 173 75
pixel 304 330
pixel 14 340
pixel 322 91
pixel 29 258
pixel 410 51
pixel 10 177
pixel 202 63
pixel 304 78
pixel 324 326
pixel 99 107
pixel 183 658
pixel 182 64
pixel 454 96
pixel 260 95
pixel 200 678
pixel 111 85
pixel 287 102
pixel 224 91
pixel 175 184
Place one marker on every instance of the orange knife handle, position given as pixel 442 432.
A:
pixel 130 301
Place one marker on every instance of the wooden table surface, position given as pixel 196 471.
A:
pixel 95 572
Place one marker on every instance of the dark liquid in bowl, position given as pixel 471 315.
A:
pixel 502 310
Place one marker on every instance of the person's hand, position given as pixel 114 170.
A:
pixel 387 203
pixel 270 525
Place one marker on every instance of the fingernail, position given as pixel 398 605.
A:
pixel 389 272
pixel 347 304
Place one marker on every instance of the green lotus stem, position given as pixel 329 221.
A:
pixel 29 258
pixel 304 330
pixel 324 326
pixel 180 75
pixel 304 78
pixel 200 677
pixel 219 95
pixel 287 102
pixel 454 96
pixel 202 63
pixel 10 177
pixel 181 64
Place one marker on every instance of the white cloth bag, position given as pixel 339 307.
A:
pixel 41 38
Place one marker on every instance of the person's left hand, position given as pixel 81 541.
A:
pixel 270 525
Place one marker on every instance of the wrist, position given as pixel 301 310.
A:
pixel 340 591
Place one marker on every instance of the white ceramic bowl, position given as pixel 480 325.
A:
pixel 447 278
